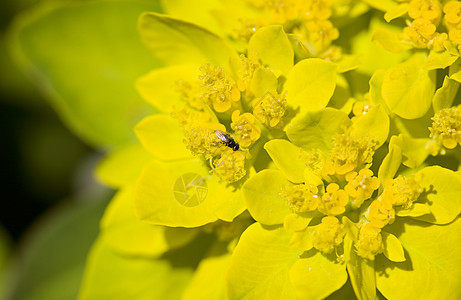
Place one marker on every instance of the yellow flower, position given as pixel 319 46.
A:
pixel 446 127
pixel 361 186
pixel 328 234
pixel 317 9
pixel 203 140
pixel 419 33
pixel 334 201
pixel 301 197
pixel 452 12
pixel 369 242
pixel 455 36
pixel 246 132
pixel 218 89
pixel 349 153
pixel 246 71
pixel 270 109
pixel 402 191
pixel 230 167
pixel 321 33
pixel 380 212
pixel 427 9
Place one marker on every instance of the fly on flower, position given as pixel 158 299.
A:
pixel 227 140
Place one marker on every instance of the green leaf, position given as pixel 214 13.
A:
pixel 176 42
pixel 445 95
pixel 263 198
pixel 124 233
pixel 310 84
pixel 111 276
pixel 86 70
pixel 393 250
pixel 270 44
pixel 316 277
pixel 388 40
pixel 375 124
pixel 408 88
pixel 443 193
pixel 260 265
pixel 439 60
pixel 158 86
pixel 263 81
pixel 316 130
pixel 396 12
pixel 414 151
pixel 286 157
pixel 184 194
pixel 162 136
pixel 209 280
pixel 362 275
pixel 455 70
pixel 52 260
pixel 432 266
pixel 391 162
pixel 416 210
pixel 123 166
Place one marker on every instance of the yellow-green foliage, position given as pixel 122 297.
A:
pixel 345 181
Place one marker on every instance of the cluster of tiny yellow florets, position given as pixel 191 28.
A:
pixel 302 198
pixel 452 18
pixel 269 109
pixel 328 235
pixel 217 91
pixel 349 153
pixel 400 191
pixel 446 127
pixel 421 32
pixel 308 18
pixel 361 186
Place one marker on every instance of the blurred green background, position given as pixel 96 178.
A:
pixel 67 99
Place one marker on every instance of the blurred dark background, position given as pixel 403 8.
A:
pixel 39 156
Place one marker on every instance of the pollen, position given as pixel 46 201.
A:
pixel 328 235
pixel 426 9
pixel 334 200
pixel 349 153
pixel 361 186
pixel 218 89
pixel 403 191
pixel 446 127
pixel 369 242
pixel 245 129
pixel 270 109
pixel 230 167
pixel 301 197
pixel 380 212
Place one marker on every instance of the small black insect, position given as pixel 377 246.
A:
pixel 227 140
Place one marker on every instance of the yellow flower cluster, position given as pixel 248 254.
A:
pixel 269 109
pixel 421 32
pixel 246 132
pixel 452 18
pixel 446 127
pixel 403 191
pixel 369 242
pixel 349 153
pixel 361 186
pixel 301 197
pixel 230 167
pixel 334 200
pixel 328 234
pixel 218 89
pixel 308 18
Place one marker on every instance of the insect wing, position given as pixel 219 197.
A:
pixel 224 137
